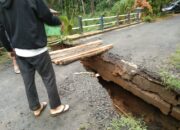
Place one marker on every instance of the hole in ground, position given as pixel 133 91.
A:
pixel 129 103
pixel 60 46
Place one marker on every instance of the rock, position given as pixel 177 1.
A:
pixel 106 70
pixel 148 85
pixel 176 112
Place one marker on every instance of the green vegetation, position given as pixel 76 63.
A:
pixel 148 18
pixel 170 75
pixel 123 6
pixel 3 57
pixel 84 127
pixel 157 6
pixel 175 59
pixel 130 123
pixel 71 9
pixel 170 81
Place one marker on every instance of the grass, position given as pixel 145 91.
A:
pixel 169 75
pixel 175 59
pixel 3 57
pixel 128 123
pixel 84 127
pixel 170 80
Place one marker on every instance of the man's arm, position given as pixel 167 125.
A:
pixel 44 13
pixel 4 39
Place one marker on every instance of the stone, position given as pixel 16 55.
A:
pixel 106 69
pixel 176 112
pixel 146 84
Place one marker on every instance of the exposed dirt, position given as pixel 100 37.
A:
pixel 91 106
pixel 60 46
pixel 127 75
pixel 129 103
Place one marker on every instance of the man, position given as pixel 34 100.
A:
pixel 22 30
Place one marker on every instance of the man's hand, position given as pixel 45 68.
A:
pixel 62 27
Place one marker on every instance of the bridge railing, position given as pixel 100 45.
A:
pixel 105 22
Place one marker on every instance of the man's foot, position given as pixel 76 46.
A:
pixel 60 109
pixel 16 70
pixel 40 110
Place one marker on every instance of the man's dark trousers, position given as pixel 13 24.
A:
pixel 41 63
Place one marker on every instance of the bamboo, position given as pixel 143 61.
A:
pixel 76 47
pixel 83 55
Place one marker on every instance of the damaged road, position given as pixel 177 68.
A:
pixel 136 60
pixel 90 104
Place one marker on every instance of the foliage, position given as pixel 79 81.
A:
pixel 170 79
pixel 129 123
pixel 175 59
pixel 84 127
pixel 123 6
pixel 71 9
pixel 148 18
pixel 157 5
pixel 143 4
pixel 68 24
pixel 3 57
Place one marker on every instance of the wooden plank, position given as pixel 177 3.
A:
pixel 76 47
pixel 82 55
pixel 75 50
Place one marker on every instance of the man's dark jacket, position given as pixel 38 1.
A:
pixel 22 23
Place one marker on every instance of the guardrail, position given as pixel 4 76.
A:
pixel 102 24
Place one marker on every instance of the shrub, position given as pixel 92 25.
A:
pixel 68 25
pixel 129 123
pixel 148 18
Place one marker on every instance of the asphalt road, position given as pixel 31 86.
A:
pixel 90 104
pixel 148 45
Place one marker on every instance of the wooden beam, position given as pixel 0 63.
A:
pixel 82 55
pixel 75 50
pixel 77 47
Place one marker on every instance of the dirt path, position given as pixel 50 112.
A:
pixel 90 103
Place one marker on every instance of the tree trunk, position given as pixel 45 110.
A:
pixel 92 7
pixel 83 7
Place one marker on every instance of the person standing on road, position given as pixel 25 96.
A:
pixel 22 30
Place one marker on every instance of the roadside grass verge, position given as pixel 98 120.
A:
pixel 127 123
pixel 3 57
pixel 175 59
pixel 171 81
pixel 171 74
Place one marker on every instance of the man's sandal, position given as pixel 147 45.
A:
pixel 16 70
pixel 40 110
pixel 60 109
